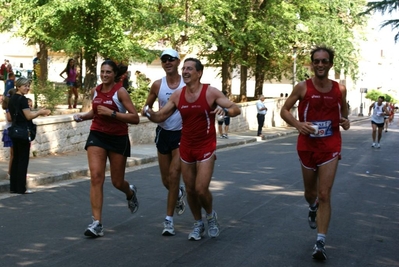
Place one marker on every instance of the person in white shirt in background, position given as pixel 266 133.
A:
pixel 262 109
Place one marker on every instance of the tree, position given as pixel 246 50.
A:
pixel 385 6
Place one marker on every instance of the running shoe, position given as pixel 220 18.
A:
pixel 378 146
pixel 95 229
pixel 198 231
pixel 168 229
pixel 133 203
pixel 312 216
pixel 180 204
pixel 373 145
pixel 319 252
pixel 213 226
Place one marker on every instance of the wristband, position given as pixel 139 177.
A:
pixel 113 115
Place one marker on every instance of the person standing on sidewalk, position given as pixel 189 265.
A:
pixel 167 138
pixel 198 104
pixel 7 142
pixel 377 120
pixel 226 121
pixel 262 109
pixel 21 115
pixel 71 83
pixel 322 105
pixel 108 139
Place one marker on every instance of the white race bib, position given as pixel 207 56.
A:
pixel 325 128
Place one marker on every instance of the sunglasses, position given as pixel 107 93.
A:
pixel 324 61
pixel 169 58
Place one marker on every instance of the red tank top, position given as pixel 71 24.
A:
pixel 324 110
pixel 198 123
pixel 107 124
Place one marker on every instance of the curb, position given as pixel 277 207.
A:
pixel 39 179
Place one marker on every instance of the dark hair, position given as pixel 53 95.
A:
pixel 382 97
pixel 6 99
pixel 198 64
pixel 68 68
pixel 114 67
pixel 330 52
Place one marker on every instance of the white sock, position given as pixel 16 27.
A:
pixel 321 237
pixel 169 218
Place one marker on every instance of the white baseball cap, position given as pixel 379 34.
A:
pixel 170 52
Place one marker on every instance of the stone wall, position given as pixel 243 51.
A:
pixel 61 134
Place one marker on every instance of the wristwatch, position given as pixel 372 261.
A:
pixel 113 115
pixel 226 111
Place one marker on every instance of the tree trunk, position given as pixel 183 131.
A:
pixel 243 77
pixel 43 63
pixel 259 75
pixel 226 75
pixel 90 80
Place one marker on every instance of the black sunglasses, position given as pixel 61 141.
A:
pixel 323 61
pixel 168 58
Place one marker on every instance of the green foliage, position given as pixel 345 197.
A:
pixel 385 6
pixel 259 35
pixel 139 93
pixel 50 95
pixel 374 94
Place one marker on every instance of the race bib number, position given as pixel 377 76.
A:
pixel 325 128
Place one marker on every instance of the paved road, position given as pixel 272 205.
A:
pixel 258 195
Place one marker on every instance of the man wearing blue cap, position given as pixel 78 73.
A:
pixel 168 137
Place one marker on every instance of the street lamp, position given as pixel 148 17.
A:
pixel 362 90
pixel 294 50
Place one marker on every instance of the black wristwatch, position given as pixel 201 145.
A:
pixel 226 111
pixel 113 115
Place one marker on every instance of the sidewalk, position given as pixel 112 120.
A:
pixel 56 168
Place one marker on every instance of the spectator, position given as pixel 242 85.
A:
pixel 70 80
pixel 9 83
pixel 262 109
pixel 7 142
pixel 36 66
pixel 224 133
pixel 22 116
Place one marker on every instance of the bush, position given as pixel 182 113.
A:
pixel 374 94
pixel 49 95
pixel 139 94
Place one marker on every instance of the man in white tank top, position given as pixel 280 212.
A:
pixel 168 137
pixel 377 120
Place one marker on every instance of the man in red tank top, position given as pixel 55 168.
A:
pixel 322 110
pixel 198 104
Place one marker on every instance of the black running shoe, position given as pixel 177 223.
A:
pixel 319 252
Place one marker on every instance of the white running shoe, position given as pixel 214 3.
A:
pixel 180 204
pixel 95 229
pixel 168 229
pixel 213 226
pixel 133 203
pixel 198 231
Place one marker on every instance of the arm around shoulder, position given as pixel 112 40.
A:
pixel 166 111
